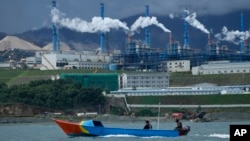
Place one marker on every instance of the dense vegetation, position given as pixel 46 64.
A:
pixel 59 94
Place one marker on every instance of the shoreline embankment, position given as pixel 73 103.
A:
pixel 210 117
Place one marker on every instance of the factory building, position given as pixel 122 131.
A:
pixel 74 61
pixel 143 80
pixel 221 67
pixel 33 62
pixel 178 65
pixel 87 65
pixel 211 90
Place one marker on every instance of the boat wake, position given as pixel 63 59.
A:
pixel 125 136
pixel 119 135
pixel 219 135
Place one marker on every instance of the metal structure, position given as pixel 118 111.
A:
pixel 102 38
pixel 186 37
pixel 147 33
pixel 55 41
pixel 140 56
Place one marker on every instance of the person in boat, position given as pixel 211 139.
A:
pixel 147 125
pixel 179 124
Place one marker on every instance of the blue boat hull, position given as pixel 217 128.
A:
pixel 103 131
pixel 95 128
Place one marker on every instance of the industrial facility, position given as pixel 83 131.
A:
pixel 138 55
pixel 150 65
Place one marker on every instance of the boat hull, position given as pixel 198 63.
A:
pixel 86 128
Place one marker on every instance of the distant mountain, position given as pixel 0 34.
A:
pixel 116 39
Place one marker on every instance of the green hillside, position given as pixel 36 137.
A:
pixel 10 76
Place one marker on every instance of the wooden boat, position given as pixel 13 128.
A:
pixel 96 128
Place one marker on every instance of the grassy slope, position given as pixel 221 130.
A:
pixel 176 79
pixel 24 76
pixel 196 100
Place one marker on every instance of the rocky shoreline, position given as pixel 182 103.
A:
pixel 220 116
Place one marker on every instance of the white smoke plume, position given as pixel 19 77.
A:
pixel 232 36
pixel 171 16
pixel 97 24
pixel 143 22
pixel 191 19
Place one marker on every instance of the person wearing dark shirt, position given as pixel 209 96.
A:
pixel 147 125
pixel 179 124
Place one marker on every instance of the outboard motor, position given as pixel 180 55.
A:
pixel 185 130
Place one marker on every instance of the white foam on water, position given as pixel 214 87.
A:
pixel 219 135
pixel 119 135
pixel 125 136
pixel 154 137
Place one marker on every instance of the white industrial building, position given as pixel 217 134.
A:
pixel 87 65
pixel 33 62
pixel 77 61
pixel 143 80
pixel 241 89
pixel 221 67
pixel 178 65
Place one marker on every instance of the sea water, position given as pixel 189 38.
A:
pixel 200 131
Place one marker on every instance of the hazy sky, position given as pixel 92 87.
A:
pixel 21 15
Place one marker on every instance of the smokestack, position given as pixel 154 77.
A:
pixel 242 30
pixel 55 41
pixel 209 39
pixel 147 34
pixel 55 44
pixel 186 38
pixel 102 38
pixel 130 38
pixel 171 39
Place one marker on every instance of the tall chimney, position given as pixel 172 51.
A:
pixel 147 34
pixel 55 43
pixel 186 37
pixel 102 38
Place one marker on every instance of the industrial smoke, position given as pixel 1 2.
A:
pixel 143 22
pixel 191 19
pixel 97 24
pixel 232 36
